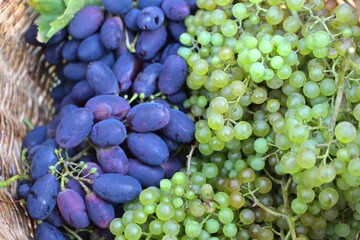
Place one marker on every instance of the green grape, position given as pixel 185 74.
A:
pixel 247 216
pixel 186 39
pixel 242 130
pixel 342 229
pixel 328 87
pixel 254 55
pixel 239 11
pixel 219 78
pixel 321 39
pixel 304 193
pixel 171 227
pixel 326 173
pixel 200 67
pixel 236 200
pixel 218 17
pixel 222 199
pixel 116 226
pixel 289 164
pixel 257 70
pixel 259 96
pixel 226 215
pixel 230 230
pixel 217 39
pixel 277 62
pixel 203 135
pixel 261 146
pixel 127 217
pixel 328 197
pixel 229 28
pixel 354 167
pixel 226 53
pixel 345 132
pixel 266 46
pixel 251 42
pixel 274 15
pixel 139 217
pixel 247 175
pixel 343 12
pixel 298 206
pixel 219 105
pixel 215 121
pixel 284 72
pixel 295 4
pixel 165 211
pixel 237 88
pixel 120 237
pixel 225 134
pixel 212 226
pixel 156 227
pixel 132 231
pixel 192 229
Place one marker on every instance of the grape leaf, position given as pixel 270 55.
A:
pixel 56 14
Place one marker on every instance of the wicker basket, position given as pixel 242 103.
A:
pixel 24 89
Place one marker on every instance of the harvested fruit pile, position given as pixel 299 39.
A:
pixel 263 142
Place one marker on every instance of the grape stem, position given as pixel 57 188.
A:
pixel 189 157
pixel 28 123
pixel 289 219
pixel 6 183
pixel 73 233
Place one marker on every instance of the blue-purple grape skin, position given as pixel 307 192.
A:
pixel 111 33
pixel 69 51
pixel 150 18
pixel 146 81
pixel 43 158
pixel 42 197
pixel 76 186
pixel 82 92
pixel 145 174
pixel 23 190
pixel 55 218
pixel 112 160
pixel 72 208
pixel 91 48
pixel 74 128
pixel 130 19
pixel 75 70
pixel 108 132
pixel 108 59
pixel 52 53
pixel 86 22
pixel 178 97
pixel 171 144
pixel 46 231
pixel 180 128
pixel 171 166
pixel 116 188
pixel 31 34
pixel 147 3
pixel 101 78
pixel 171 49
pixel 126 68
pixel 117 7
pixel 173 74
pixel 108 106
pixel 175 10
pixel 139 145
pixel 86 171
pixel 148 117
pixel 150 42
pixel 36 136
pixel 100 212
pixel 52 126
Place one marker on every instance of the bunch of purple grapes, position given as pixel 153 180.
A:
pixel 117 126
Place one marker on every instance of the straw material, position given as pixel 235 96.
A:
pixel 24 93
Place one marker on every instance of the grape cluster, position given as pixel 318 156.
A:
pixel 117 126
pixel 275 95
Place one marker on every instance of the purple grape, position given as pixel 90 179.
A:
pixel 42 197
pixel 108 59
pixel 180 128
pixel 192 4
pixel 57 37
pixel 31 34
pixel 116 188
pixel 108 106
pixel 52 53
pixel 112 160
pixel 67 109
pixel 118 6
pixel 150 18
pixel 43 158
pixel 86 22
pixel 147 3
pixel 101 78
pixel 171 49
pixel 130 19
pixel 86 171
pixel 111 33
pixel 150 42
pixel 145 174
pixel 58 92
pixel 176 10
pixel 46 231
pixel 173 74
pixel 139 143
pixel 55 218
pixel 171 144
pixel 75 70
pixel 91 48
pixel 148 117
pixel 176 29
pixel 69 51
pixel 36 136
pixel 108 132
pixel 100 212
pixel 178 97
pixel 74 128
pixel 146 81
pixel 76 186
pixel 82 92
pixel 171 166
pixel 23 190
pixel 72 208
pixel 126 67
pixel 52 126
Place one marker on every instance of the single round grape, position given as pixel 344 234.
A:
pixel 343 12
pixel 218 16
pixel 239 11
pixel 247 216
pixel 345 132
pixel 116 226
pixel 133 231
pixel 230 230
pixel 342 230
pixel 165 211
pixel 219 105
pixel 295 4
pixel 212 226
pixel 156 227
pixel 200 67
pixel 354 167
pixel 328 197
pixel 298 206
pixel 192 229
pixel 242 130
pixel 229 28
pixel 274 15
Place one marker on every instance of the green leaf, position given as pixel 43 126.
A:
pixel 56 14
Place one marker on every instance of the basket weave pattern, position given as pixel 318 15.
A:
pixel 24 93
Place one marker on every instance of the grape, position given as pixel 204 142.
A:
pixel 69 50
pixel 146 81
pixel 43 158
pixel 23 190
pixel 130 19
pixel 100 212
pixel 91 48
pixel 75 70
pixel 108 106
pixel 343 12
pixel 150 42
pixel 101 78
pixel 75 185
pixel 132 231
pixel 118 7
pixel 46 231
pixel 112 160
pixel 55 218
pixel 173 74
pixel 175 9
pixel 116 188
pixel 176 28
pixel 111 33
pixel 146 175
pixel 53 54
pixel 345 132
pixel 82 92
pixel 150 18
pixel 108 132
pixel 86 22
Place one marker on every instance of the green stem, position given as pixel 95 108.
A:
pixel 80 154
pixel 73 233
pixel 28 123
pixel 6 183
pixel 288 216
